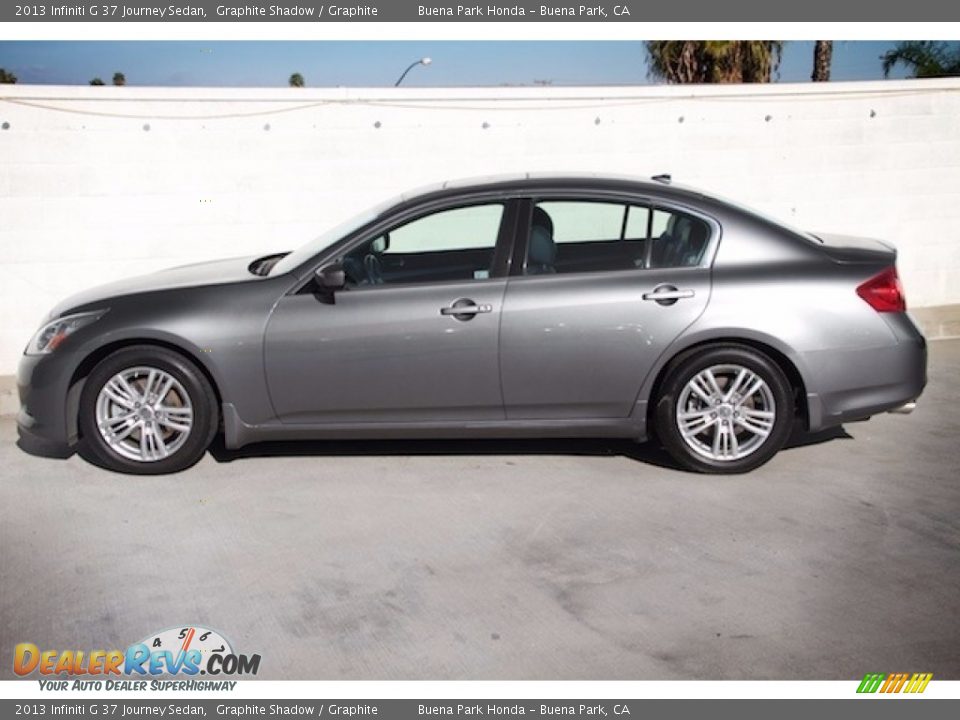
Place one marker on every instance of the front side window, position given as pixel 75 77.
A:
pixel 569 236
pixel 449 245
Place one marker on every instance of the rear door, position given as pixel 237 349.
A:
pixel 581 331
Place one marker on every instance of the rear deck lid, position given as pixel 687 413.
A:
pixel 852 249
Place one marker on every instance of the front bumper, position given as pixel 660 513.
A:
pixel 43 384
pixel 34 443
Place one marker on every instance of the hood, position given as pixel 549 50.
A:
pixel 851 249
pixel 214 272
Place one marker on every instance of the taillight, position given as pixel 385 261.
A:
pixel 883 292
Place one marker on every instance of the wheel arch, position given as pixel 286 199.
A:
pixel 94 357
pixel 766 345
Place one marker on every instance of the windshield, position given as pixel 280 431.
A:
pixel 303 253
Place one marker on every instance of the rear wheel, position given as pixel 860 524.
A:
pixel 724 409
pixel 147 410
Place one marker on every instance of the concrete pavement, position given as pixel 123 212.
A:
pixel 508 560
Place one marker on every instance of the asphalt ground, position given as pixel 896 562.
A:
pixel 508 560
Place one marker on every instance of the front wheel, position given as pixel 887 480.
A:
pixel 724 409
pixel 148 411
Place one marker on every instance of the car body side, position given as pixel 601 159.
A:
pixel 768 288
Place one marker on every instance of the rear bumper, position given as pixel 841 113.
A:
pixel 904 409
pixel 856 384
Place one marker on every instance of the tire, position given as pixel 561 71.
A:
pixel 710 413
pixel 144 432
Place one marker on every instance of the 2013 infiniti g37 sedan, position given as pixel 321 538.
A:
pixel 530 306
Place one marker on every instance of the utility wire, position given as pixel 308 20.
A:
pixel 495 104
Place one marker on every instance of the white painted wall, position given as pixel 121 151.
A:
pixel 100 183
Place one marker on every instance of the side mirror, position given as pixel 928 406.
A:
pixel 330 278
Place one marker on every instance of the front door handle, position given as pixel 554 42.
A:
pixel 465 309
pixel 667 294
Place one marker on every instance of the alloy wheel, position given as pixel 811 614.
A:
pixel 144 414
pixel 725 412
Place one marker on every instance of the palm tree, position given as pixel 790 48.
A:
pixel 714 61
pixel 7 78
pixel 296 80
pixel 119 78
pixel 97 81
pixel 822 56
pixel 925 58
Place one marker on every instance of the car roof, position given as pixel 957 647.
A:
pixel 661 187
pixel 514 182
pixel 658 186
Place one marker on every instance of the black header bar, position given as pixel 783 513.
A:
pixel 120 707
pixel 483 11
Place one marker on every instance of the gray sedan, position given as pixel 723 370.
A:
pixel 530 306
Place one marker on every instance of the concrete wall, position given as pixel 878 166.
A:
pixel 100 183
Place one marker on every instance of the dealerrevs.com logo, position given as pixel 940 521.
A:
pixel 182 651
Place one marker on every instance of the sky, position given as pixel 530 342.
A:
pixel 380 63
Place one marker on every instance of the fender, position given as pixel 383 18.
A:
pixel 704 336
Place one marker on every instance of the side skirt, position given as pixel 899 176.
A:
pixel 237 433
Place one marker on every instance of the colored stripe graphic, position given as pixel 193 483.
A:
pixel 918 683
pixel 871 682
pixel 894 682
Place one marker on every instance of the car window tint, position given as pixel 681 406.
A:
pixel 638 222
pixel 660 220
pixel 457 229
pixel 677 239
pixel 585 221
pixel 454 244
pixel 571 236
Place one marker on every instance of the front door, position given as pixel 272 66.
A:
pixel 412 338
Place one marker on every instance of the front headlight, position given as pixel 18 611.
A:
pixel 50 336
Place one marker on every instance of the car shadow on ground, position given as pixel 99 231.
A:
pixel 649 453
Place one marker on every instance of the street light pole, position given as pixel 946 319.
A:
pixel 421 61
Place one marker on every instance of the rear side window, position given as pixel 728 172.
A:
pixel 569 236
pixel 575 222
pixel 677 239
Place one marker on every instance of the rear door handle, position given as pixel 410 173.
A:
pixel 667 294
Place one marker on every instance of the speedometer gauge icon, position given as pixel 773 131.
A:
pixel 181 640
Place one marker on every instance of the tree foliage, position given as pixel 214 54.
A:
pixel 296 80
pixel 97 81
pixel 119 78
pixel 7 77
pixel 714 61
pixel 923 58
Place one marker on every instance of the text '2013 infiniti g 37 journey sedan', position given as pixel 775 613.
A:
pixel 531 306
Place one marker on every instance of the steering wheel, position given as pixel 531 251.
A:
pixel 374 269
